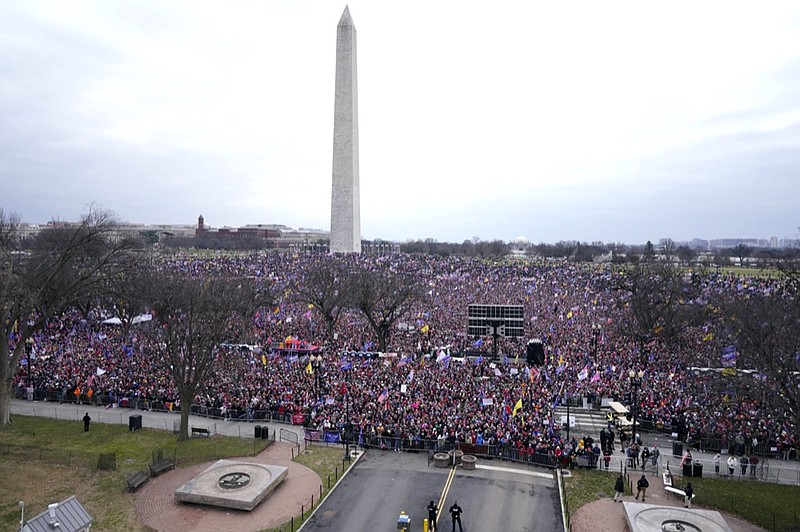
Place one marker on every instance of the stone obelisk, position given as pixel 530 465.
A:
pixel 345 207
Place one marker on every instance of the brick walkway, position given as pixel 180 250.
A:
pixel 157 508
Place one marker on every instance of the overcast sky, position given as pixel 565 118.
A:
pixel 610 121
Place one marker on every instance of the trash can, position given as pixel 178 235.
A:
pixel 677 449
pixel 265 432
pixel 697 470
pixel 258 432
pixel 135 422
pixel 687 469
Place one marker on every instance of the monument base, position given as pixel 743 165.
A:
pixel 232 484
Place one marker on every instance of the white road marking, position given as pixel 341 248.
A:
pixel 516 471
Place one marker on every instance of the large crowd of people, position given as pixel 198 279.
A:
pixel 434 381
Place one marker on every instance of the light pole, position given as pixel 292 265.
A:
pixel 636 383
pixel 595 339
pixel 21 515
pixel 346 389
pixel 569 397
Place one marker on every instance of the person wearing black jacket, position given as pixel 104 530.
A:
pixel 689 492
pixel 619 489
pixel 433 509
pixel 641 487
pixel 455 515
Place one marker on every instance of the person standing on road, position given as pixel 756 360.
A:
pixel 732 463
pixel 86 421
pixel 455 515
pixel 433 509
pixel 753 464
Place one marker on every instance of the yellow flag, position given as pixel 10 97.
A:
pixel 425 329
pixel 708 337
pixel 309 369
pixel 517 407
pixel 264 359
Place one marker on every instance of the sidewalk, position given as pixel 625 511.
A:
pixel 168 421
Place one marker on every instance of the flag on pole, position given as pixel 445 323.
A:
pixel 517 407
pixel 309 369
pixel 383 396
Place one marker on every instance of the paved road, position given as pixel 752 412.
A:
pixel 154 420
pixel 496 496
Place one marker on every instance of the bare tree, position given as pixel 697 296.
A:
pixel 383 298
pixel 766 331
pixel 191 318
pixel 659 301
pixel 325 283
pixel 741 252
pixel 66 265
pixel 667 248
pixel 686 255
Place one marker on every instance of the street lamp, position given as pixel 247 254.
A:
pixel 595 338
pixel 636 383
pixel 569 397
pixel 347 427
pixel 21 515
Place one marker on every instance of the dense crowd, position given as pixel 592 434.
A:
pixel 434 381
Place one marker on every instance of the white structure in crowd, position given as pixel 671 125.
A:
pixel 345 202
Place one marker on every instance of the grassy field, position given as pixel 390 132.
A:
pixel 774 507
pixel 45 460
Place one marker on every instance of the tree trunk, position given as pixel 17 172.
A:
pixel 186 408
pixel 5 397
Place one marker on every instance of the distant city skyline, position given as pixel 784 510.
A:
pixel 622 122
pixel 305 233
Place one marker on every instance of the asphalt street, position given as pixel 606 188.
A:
pixel 496 496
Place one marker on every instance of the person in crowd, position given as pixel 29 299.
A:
pixel 732 464
pixel 753 464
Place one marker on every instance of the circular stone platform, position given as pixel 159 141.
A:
pixel 158 509
pixel 232 484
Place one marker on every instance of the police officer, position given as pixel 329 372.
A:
pixel 433 509
pixel 455 515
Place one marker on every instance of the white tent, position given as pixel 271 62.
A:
pixel 138 319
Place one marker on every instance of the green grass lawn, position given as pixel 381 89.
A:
pixel 772 506
pixel 45 460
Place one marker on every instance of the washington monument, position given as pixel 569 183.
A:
pixel 345 208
